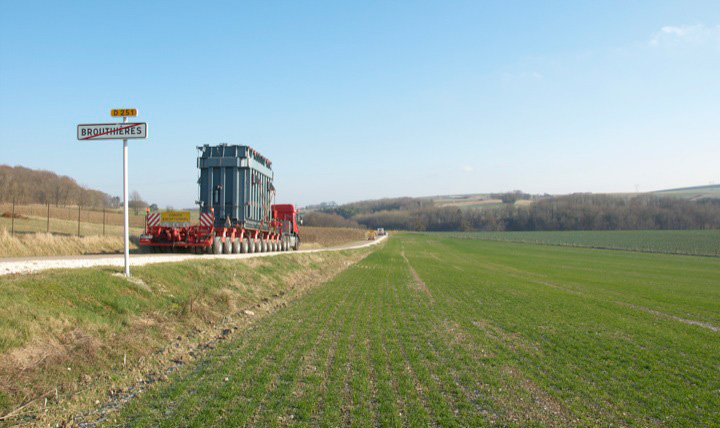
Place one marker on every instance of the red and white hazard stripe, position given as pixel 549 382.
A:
pixel 206 219
pixel 153 219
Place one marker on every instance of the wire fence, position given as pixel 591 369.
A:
pixel 19 219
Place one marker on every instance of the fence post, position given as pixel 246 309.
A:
pixel 78 220
pixel 12 217
pixel 48 222
pixel 103 221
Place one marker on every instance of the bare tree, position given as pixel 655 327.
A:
pixel 136 202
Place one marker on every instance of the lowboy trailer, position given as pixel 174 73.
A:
pixel 236 210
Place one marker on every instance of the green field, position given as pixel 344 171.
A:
pixel 689 242
pixel 693 193
pixel 456 332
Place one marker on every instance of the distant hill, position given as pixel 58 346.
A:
pixel 30 186
pixel 711 191
pixel 518 211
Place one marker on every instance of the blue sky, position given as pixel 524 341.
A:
pixel 359 100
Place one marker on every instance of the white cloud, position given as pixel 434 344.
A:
pixel 697 34
pixel 467 168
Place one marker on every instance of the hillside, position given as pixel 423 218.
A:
pixel 29 186
pixel 711 191
pixel 519 211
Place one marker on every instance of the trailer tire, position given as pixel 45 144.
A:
pixel 236 246
pixel 251 246
pixel 227 246
pixel 297 243
pixel 244 247
pixel 217 246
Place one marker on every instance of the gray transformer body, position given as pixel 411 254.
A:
pixel 237 183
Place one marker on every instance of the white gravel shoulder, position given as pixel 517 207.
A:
pixel 35 264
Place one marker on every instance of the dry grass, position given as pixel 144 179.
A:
pixel 110 216
pixel 318 237
pixel 45 244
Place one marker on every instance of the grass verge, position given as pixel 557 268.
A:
pixel 79 336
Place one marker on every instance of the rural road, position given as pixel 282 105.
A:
pixel 36 264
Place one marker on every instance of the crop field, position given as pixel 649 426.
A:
pixel 690 242
pixel 317 237
pixel 431 330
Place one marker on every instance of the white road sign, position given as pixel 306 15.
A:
pixel 112 131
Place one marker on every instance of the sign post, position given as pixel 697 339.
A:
pixel 116 131
pixel 126 221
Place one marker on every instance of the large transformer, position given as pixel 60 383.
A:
pixel 236 182
pixel 236 211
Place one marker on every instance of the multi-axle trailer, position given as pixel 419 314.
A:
pixel 236 210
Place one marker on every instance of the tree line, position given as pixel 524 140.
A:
pixel 28 186
pixel 572 212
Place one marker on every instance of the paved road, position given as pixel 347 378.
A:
pixel 35 264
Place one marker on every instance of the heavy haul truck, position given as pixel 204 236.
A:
pixel 237 214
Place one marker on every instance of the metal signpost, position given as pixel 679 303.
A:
pixel 118 131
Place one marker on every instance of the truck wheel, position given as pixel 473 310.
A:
pixel 245 246
pixel 227 246
pixel 297 244
pixel 263 246
pixel 251 246
pixel 236 246
pixel 217 246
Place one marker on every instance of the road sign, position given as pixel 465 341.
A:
pixel 123 112
pixel 112 131
pixel 175 216
pixel 118 131
pixel 175 219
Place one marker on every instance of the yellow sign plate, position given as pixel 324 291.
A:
pixel 123 112
pixel 175 217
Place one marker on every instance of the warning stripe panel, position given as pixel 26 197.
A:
pixel 153 219
pixel 206 219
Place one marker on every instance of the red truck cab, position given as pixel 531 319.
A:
pixel 287 216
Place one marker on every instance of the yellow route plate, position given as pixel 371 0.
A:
pixel 175 217
pixel 123 112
